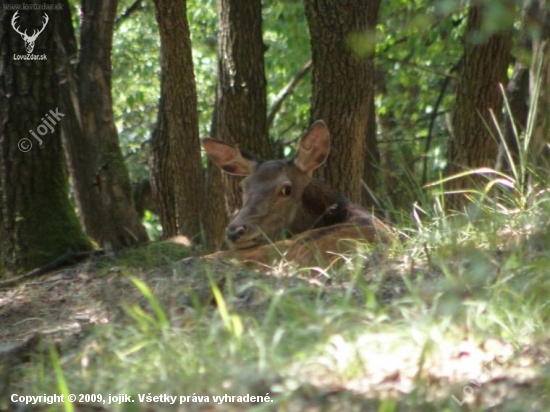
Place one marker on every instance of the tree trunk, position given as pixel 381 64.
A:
pixel 214 197
pixel 484 67
pixel 175 165
pixel 372 161
pixel 37 220
pixel 537 14
pixel 241 112
pixel 102 186
pixel 342 44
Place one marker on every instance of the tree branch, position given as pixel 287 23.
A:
pixel 69 258
pixel 285 92
pixel 129 11
pixel 442 90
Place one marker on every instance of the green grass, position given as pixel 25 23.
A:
pixel 307 345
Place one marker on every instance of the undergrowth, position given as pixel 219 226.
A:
pixel 375 334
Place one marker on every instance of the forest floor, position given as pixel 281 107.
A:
pixel 432 325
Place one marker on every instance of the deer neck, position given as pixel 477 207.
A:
pixel 320 206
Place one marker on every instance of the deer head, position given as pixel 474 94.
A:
pixel 272 190
pixel 29 40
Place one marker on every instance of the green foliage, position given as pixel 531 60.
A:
pixel 418 47
pixel 152 225
pixel 136 83
pixel 202 16
pixel 286 36
pixel 523 187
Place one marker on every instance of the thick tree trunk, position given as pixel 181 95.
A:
pixel 37 220
pixel 484 67
pixel 241 112
pixel 175 165
pixel 343 85
pixel 102 186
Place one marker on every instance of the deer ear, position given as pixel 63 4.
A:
pixel 230 159
pixel 314 148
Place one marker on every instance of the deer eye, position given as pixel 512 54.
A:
pixel 286 190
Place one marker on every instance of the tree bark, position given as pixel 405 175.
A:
pixel 484 66
pixel 175 163
pixel 372 161
pixel 37 220
pixel 537 16
pixel 241 112
pixel 343 86
pixel 102 186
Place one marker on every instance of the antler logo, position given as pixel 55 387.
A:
pixel 29 40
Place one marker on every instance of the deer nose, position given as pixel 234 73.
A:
pixel 234 232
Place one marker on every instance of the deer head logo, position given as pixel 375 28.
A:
pixel 29 40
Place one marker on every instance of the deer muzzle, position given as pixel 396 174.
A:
pixel 243 236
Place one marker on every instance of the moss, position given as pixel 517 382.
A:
pixel 150 256
pixel 117 169
pixel 48 226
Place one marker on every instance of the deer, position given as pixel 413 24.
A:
pixel 286 212
pixel 29 40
